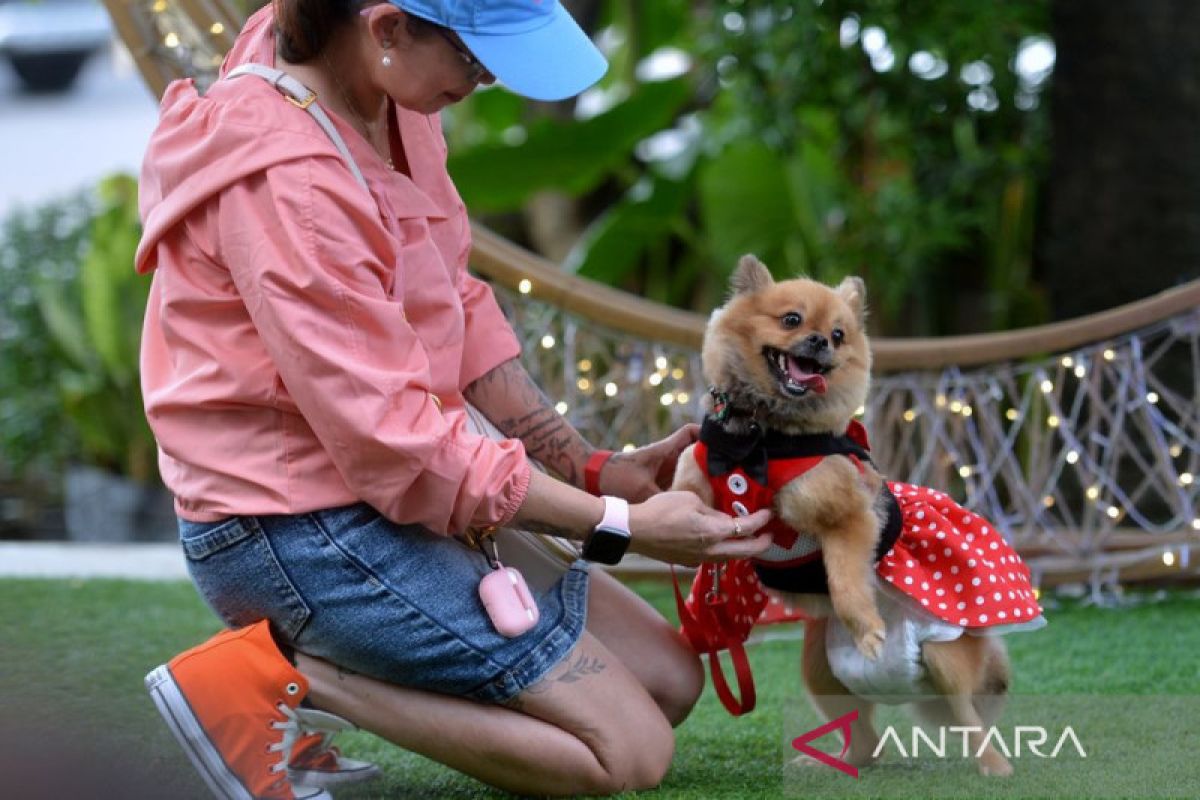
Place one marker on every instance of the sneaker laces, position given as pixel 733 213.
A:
pixel 312 749
pixel 291 731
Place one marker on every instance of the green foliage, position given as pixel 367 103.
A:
pixel 96 327
pixel 895 140
pixel 41 246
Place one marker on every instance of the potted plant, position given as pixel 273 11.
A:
pixel 113 492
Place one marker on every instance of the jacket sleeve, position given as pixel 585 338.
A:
pixel 307 252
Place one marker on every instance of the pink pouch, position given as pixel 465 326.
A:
pixel 508 601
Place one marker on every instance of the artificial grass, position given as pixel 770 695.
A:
pixel 73 653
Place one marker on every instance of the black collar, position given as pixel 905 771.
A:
pixel 753 449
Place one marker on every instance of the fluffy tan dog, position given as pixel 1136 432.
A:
pixel 790 362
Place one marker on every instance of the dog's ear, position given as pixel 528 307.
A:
pixel 854 292
pixel 751 275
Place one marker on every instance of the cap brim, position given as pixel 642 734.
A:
pixel 553 62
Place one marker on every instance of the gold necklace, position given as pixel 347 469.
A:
pixel 371 136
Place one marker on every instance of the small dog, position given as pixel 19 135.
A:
pixel 789 365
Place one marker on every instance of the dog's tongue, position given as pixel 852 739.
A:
pixel 809 380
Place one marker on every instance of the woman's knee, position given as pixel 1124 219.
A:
pixel 677 689
pixel 637 761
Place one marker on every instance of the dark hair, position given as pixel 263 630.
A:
pixel 304 27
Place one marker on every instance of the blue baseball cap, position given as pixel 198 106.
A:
pixel 534 47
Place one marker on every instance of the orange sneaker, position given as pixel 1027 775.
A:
pixel 231 703
pixel 315 762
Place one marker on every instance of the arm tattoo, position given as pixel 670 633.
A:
pixel 513 402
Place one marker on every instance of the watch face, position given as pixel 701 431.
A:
pixel 606 546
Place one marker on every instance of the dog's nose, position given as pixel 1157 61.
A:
pixel 817 342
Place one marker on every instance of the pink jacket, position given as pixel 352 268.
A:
pixel 306 345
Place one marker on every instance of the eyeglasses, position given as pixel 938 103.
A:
pixel 476 71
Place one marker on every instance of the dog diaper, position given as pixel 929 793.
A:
pixel 899 673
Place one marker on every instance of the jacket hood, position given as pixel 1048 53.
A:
pixel 205 143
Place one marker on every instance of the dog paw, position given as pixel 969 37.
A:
pixel 870 643
pixel 995 765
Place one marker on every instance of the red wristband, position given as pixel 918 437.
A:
pixel 591 471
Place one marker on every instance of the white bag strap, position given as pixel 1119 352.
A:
pixel 301 96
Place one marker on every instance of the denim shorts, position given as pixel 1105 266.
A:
pixel 394 602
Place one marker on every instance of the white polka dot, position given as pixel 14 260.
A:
pixel 976 581
pixel 961 606
pixel 966 546
pixel 971 562
pixel 958 587
pixel 891 552
pixel 985 529
pixel 891 579
pixel 983 617
pixel 932 558
pixel 1017 612
pixel 1002 615
pixel 908 580
pixel 996 596
pixel 962 621
pixel 937 576
pixel 970 537
pixel 758 597
pixel 1012 595
pixel 925 585
pixel 991 578
pixel 924 601
pixel 948 552
pixel 942 606
pixel 994 546
pixel 940 592
pixel 941 534
pixel 920 515
pixel 978 601
pixel 924 543
pixel 909 563
pixel 953 570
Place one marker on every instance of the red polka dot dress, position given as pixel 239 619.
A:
pixel 949 561
pixel 957 566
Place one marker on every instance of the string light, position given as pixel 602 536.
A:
pixel 584 384
pixel 965 471
pixel 1152 398
pixel 585 365
pixel 1048 501
pixel 682 398
pixel 1113 512
pixel 629 447
pixel 956 407
pixel 1168 558
pixel 940 401
pixel 610 389
pixel 661 362
pixel 561 408
pixel 910 415
pixel 1052 421
pixel 171 40
pixel 677 374
pixel 1011 415
pixel 1047 386
pixel 966 411
pixel 655 379
pixel 217 29
pixel 525 286
pixel 1067 361
pixel 858 412
pixel 667 399
pixel 1093 492
pixel 159 6
pixel 1185 479
pixel 1175 450
pixel 1109 355
pixel 1080 371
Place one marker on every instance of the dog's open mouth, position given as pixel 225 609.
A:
pixel 797 376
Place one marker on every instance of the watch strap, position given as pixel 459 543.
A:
pixel 616 514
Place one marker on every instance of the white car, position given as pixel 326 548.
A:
pixel 48 41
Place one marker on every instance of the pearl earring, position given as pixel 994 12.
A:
pixel 387 60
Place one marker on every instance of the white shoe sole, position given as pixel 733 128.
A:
pixel 177 713
pixel 333 779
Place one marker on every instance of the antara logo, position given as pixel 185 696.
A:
pixel 1031 739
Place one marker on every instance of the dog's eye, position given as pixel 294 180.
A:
pixel 838 336
pixel 791 320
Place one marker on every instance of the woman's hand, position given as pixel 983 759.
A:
pixel 677 527
pixel 646 471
